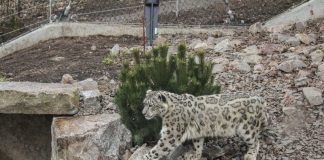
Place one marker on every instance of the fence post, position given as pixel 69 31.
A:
pixel 50 11
pixel 177 8
pixel 18 7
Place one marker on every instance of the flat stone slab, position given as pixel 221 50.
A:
pixel 38 98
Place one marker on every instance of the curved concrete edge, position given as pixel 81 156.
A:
pixel 308 11
pixel 57 30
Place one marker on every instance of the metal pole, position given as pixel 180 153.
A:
pixel 152 25
pixel 144 37
pixel 177 8
pixel 50 11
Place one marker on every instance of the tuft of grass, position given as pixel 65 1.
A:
pixel 3 78
pixel 107 61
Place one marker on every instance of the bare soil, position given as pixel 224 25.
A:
pixel 36 63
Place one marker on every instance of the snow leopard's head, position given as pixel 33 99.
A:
pixel 155 104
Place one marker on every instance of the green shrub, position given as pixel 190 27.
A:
pixel 107 61
pixel 177 73
pixel 3 78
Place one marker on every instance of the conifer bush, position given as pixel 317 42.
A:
pixel 157 71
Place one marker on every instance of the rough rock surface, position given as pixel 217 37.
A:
pixel 89 137
pixel 313 95
pixel 290 65
pixel 38 98
pixel 90 97
pixel 223 46
pixel 139 152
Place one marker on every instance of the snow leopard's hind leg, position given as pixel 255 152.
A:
pixel 197 153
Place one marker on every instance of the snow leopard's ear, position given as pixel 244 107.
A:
pixel 148 91
pixel 162 98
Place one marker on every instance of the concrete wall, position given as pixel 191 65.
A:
pixel 310 10
pixel 56 30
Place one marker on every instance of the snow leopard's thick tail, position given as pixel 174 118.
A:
pixel 268 130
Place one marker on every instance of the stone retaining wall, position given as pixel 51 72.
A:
pixel 36 123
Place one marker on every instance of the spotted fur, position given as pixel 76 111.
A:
pixel 186 117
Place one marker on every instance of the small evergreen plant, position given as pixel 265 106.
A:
pixel 158 71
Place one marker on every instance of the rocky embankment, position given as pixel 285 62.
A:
pixel 286 68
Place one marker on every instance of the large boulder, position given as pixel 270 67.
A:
pixel 89 137
pixel 313 95
pixel 38 98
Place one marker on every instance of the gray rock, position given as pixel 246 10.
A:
pixel 201 45
pixel 210 40
pixel 272 48
pixel 313 95
pixel 57 59
pixel 303 81
pixel 240 66
pixel 221 60
pixel 303 73
pixel 67 79
pixel 321 68
pixel 320 75
pixel 223 46
pixel 252 59
pixel 218 68
pixel 290 65
pixel 115 50
pixel 300 26
pixel 317 56
pixel 93 48
pixel 293 41
pixel 279 37
pixel 258 68
pixel 256 28
pixel 194 42
pixel 252 50
pixel 90 102
pixel 306 39
pixel 89 137
pixel 38 98
pixel 160 40
pixel 289 110
pixel 86 85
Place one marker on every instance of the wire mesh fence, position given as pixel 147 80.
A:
pixel 21 16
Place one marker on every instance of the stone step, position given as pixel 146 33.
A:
pixel 38 98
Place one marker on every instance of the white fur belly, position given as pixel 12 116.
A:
pixel 209 130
